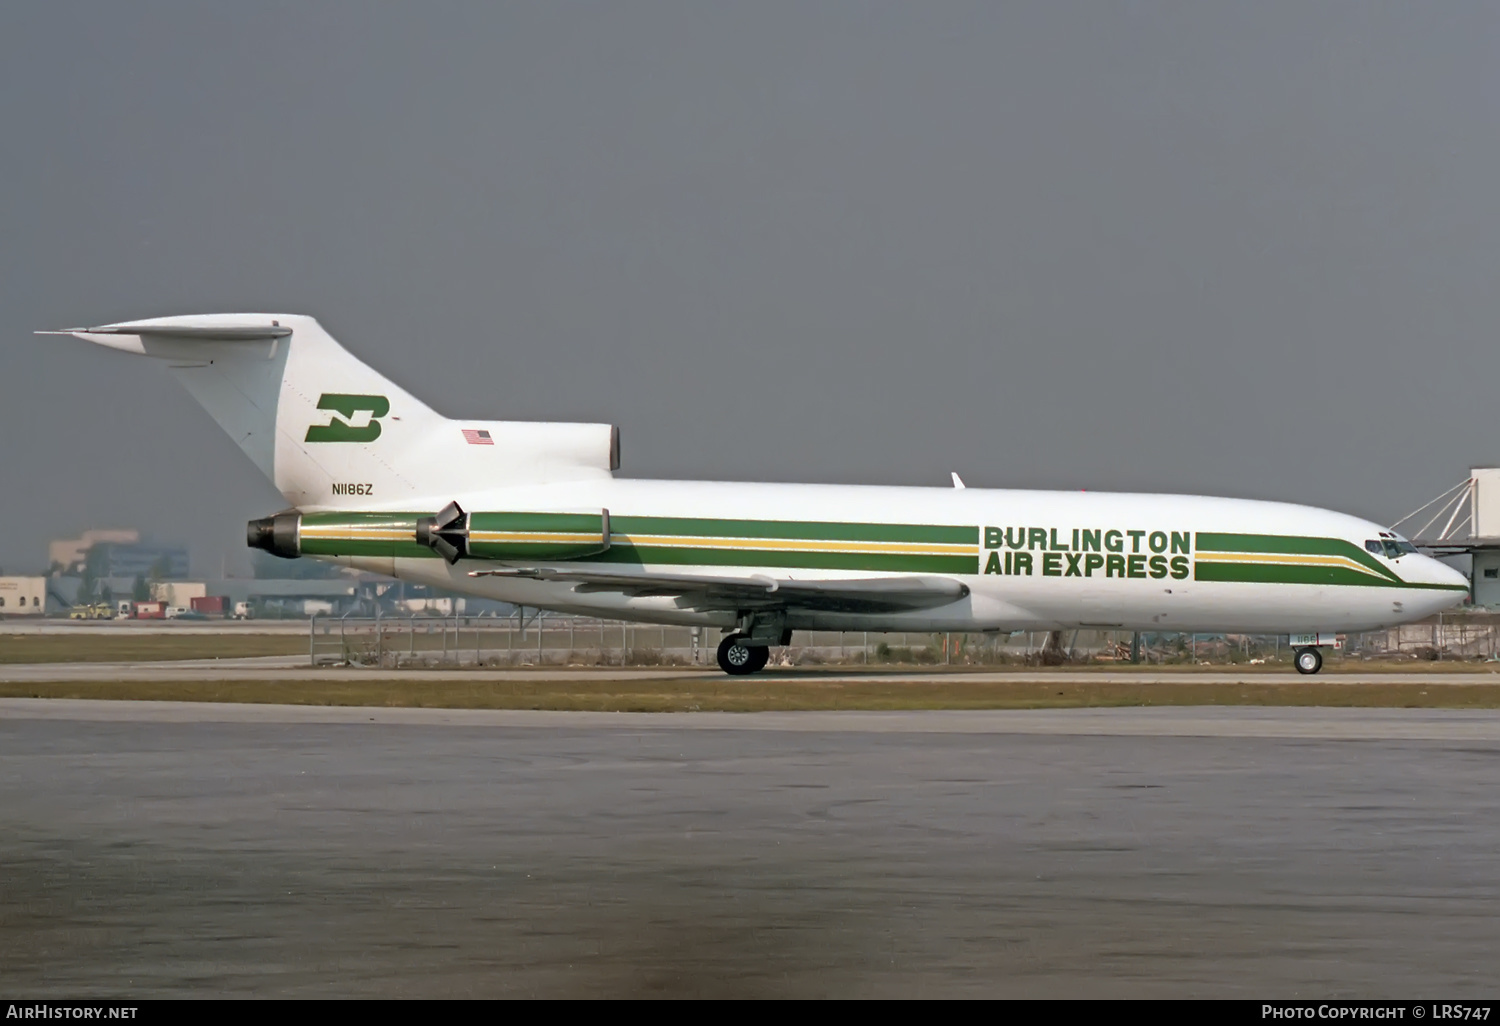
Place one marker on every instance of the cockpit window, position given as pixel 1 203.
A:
pixel 1374 546
pixel 1390 549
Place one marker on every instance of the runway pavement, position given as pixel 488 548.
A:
pixel 187 849
pixel 1180 721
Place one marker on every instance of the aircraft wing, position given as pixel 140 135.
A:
pixel 856 595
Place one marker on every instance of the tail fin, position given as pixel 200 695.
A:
pixel 332 432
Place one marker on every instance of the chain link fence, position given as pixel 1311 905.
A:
pixel 558 640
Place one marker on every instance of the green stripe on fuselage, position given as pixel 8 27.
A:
pixel 1262 573
pixel 1207 541
pixel 577 522
pixel 638 550
pixel 1270 573
pixel 896 562
pixel 352 544
pixel 808 530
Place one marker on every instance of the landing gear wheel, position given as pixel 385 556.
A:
pixel 1308 660
pixel 738 659
pixel 762 656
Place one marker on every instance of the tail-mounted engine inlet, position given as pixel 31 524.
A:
pixel 278 535
pixel 447 534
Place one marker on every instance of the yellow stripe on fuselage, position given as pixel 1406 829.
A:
pixel 361 533
pixel 1287 559
pixel 357 533
pixel 556 538
pixel 667 541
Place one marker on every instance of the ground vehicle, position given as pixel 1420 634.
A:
pixel 150 610
pixel 97 611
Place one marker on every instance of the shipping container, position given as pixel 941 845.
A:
pixel 211 605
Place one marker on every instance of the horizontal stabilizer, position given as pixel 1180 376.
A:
pixel 335 434
pixel 226 333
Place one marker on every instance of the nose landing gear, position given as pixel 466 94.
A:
pixel 1308 660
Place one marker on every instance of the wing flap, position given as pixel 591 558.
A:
pixel 707 594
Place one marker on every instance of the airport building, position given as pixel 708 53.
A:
pixel 288 597
pixel 118 553
pixel 23 596
pixel 111 559
pixel 179 593
pixel 262 596
pixel 345 593
pixel 1484 540
pixel 70 555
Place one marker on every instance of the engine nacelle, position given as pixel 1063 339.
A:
pixel 511 536
pixel 277 535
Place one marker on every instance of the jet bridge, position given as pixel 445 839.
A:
pixel 1464 521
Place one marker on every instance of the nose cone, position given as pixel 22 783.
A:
pixel 1444 585
pixel 1447 576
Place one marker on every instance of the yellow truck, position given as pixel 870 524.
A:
pixel 97 611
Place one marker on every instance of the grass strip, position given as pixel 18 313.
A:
pixel 95 648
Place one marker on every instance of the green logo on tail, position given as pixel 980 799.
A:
pixel 348 423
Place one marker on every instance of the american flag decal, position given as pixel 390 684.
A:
pixel 476 437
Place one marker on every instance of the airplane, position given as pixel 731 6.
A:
pixel 532 514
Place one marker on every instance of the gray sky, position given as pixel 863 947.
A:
pixel 1240 249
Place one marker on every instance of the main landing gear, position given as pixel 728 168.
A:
pixel 748 649
pixel 737 658
pixel 1308 660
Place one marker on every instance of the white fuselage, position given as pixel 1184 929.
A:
pixel 1040 560
pixel 341 441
